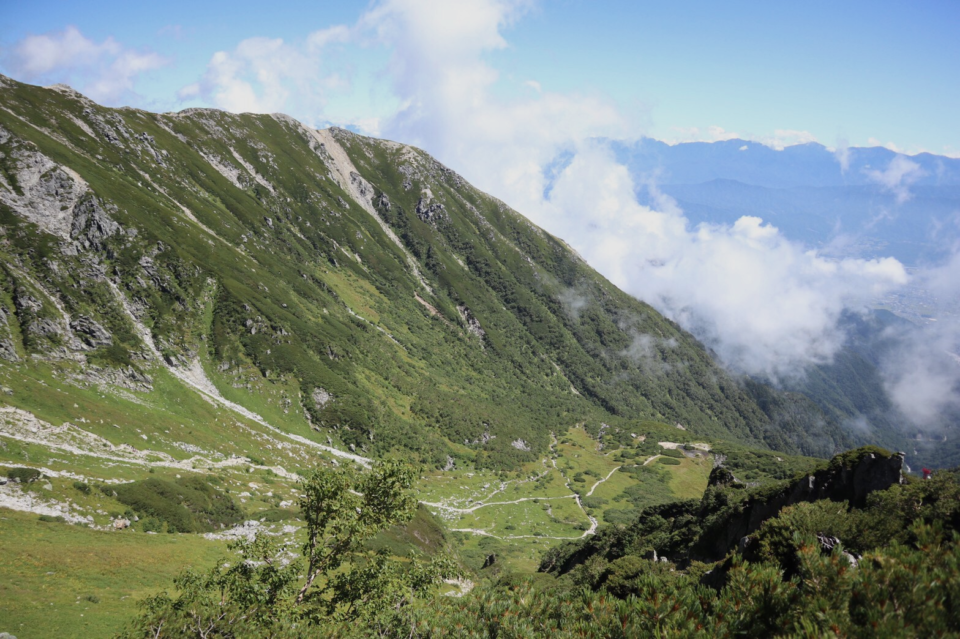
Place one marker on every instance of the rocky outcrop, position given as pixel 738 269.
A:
pixel 471 322
pixel 41 191
pixel 91 225
pixel 7 349
pixel 321 397
pixel 90 333
pixel 430 212
pixel 849 478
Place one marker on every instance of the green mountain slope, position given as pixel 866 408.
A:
pixel 347 289
pixel 197 307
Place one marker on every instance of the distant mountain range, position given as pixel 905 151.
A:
pixel 864 202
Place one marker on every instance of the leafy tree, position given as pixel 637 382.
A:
pixel 263 592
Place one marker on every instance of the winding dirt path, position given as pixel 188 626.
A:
pixel 472 509
pixel 609 475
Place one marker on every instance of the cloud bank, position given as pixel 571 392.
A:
pixel 922 375
pixel 765 304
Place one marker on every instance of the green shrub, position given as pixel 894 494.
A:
pixel 82 487
pixel 622 516
pixel 53 519
pixel 24 475
pixel 668 461
pixel 188 505
pixel 593 501
pixel 671 452
pixel 274 515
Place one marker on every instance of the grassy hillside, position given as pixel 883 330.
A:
pixel 347 289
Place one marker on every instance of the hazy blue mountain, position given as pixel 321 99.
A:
pixel 805 192
pixel 754 163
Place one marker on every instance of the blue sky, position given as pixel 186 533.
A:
pixel 865 72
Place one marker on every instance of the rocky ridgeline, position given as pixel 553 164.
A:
pixel 729 513
pixel 849 478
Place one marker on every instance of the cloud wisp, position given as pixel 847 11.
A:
pixel 922 374
pixel 266 75
pixel 897 178
pixel 106 71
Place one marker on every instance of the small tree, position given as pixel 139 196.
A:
pixel 343 511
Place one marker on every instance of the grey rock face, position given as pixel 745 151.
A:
pixel 45 192
pixel 91 225
pixel 44 326
pixel 520 444
pixel 473 325
pixel 362 186
pixel 430 213
pixel 321 397
pixel 7 349
pixel 92 334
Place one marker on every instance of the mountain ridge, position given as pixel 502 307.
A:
pixel 147 150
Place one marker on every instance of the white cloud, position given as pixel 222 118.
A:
pixel 923 374
pixel 842 154
pixel 766 305
pixel 696 134
pixel 897 178
pixel 266 75
pixel 106 71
